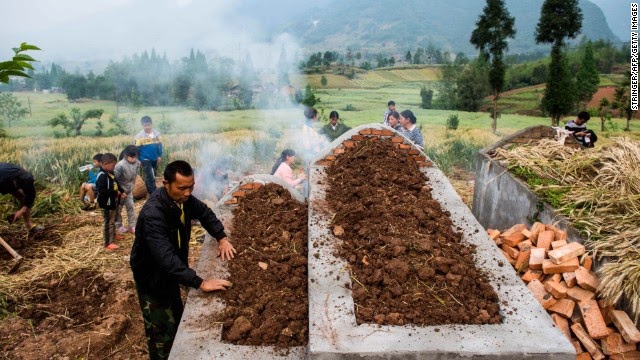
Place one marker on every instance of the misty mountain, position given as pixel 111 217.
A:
pixel 398 26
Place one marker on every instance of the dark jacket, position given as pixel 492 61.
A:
pixel 158 263
pixel 332 134
pixel 108 190
pixel 12 178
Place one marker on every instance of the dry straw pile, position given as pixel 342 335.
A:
pixel 601 196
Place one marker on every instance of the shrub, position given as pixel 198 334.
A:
pixel 350 107
pixel 452 122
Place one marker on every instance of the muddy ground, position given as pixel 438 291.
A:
pixel 268 303
pixel 407 262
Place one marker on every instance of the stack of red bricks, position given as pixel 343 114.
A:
pixel 239 194
pixel 559 274
pixel 373 134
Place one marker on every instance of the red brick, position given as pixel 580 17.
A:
pixel 535 230
pixel 566 252
pixel 556 278
pixel 576 345
pixel 545 239
pixel 239 193
pixel 513 235
pixel 626 327
pixel 525 245
pixel 583 355
pixel 605 309
pixel 587 342
pixel 570 278
pixel 330 157
pixel 593 320
pixel 614 344
pixel 511 260
pixel 420 158
pixel 544 298
pixel 578 294
pixel 338 151
pixel 365 132
pixel 526 233
pixel 414 152
pixel 405 147
pixel 558 234
pixel 536 259
pixel 324 163
pixel 562 324
pixel 558 244
pixel 513 252
pixel 548 267
pixel 563 307
pixel 531 274
pixel 587 262
pixel 631 355
pixel 558 290
pixel 386 132
pixel 586 279
pixel 231 201
pixel 349 144
pixel 397 139
pixel 358 137
pixel 522 262
pixel 247 186
pixel 493 234
pixel 376 132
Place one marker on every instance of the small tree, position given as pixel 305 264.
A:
pixel 310 99
pixel 427 97
pixel 588 78
pixel 622 101
pixel 76 121
pixel 408 57
pixel 603 111
pixel 11 109
pixel 323 81
pixel 19 64
pixel 559 96
pixel 493 28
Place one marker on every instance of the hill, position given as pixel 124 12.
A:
pixel 398 26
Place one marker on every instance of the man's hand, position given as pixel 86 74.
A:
pixel 225 249
pixel 214 284
pixel 123 195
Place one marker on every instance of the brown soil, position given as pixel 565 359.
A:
pixel 268 306
pixel 85 314
pixel 408 266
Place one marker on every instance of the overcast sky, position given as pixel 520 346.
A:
pixel 88 30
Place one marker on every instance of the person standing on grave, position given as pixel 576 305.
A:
pixel 391 107
pixel 334 128
pixel 149 152
pixel 411 131
pixel 160 255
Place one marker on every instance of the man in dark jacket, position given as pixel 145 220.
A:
pixel 18 182
pixel 159 257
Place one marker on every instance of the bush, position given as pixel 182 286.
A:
pixel 452 122
pixel 350 107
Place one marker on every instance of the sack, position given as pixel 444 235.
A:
pixel 139 189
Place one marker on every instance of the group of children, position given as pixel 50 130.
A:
pixel 404 123
pixel 112 180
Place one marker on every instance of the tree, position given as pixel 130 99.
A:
pixel 473 85
pixel 310 99
pixel 603 111
pixel 588 78
pixel 19 64
pixel 493 28
pixel 323 80
pixel 559 95
pixel 11 109
pixel 448 94
pixel 77 120
pixel 559 19
pixel 408 57
pixel 622 101
pixel 427 97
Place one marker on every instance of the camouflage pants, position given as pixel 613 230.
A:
pixel 161 319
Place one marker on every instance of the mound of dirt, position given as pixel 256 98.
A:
pixel 29 246
pixel 268 303
pixel 408 266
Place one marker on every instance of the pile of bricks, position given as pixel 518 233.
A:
pixel 239 194
pixel 373 134
pixel 559 274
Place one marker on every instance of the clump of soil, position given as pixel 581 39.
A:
pixel 408 266
pixel 268 303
